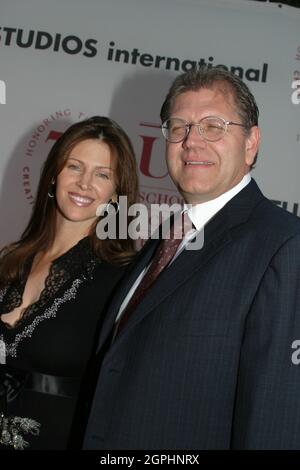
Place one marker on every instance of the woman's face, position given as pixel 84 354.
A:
pixel 87 180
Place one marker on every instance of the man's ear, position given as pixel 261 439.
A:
pixel 252 145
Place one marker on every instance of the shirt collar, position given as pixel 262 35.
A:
pixel 200 214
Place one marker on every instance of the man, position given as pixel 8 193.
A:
pixel 208 358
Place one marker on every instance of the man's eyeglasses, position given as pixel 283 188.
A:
pixel 210 128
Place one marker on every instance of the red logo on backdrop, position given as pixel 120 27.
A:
pixel 161 189
pixel 50 129
pixel 39 144
pixel 147 153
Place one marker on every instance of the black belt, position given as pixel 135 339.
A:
pixel 12 381
pixel 53 384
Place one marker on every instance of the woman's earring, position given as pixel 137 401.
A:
pixel 50 194
pixel 113 204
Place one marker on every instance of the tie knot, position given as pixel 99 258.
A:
pixel 164 254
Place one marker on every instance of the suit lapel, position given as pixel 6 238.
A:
pixel 141 261
pixel 183 268
pixel 216 236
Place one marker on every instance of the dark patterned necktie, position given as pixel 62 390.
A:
pixel 162 257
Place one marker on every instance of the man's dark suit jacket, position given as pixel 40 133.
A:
pixel 205 361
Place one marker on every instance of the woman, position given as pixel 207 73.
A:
pixel 56 280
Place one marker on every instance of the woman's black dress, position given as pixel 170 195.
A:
pixel 45 355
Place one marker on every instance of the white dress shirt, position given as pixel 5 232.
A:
pixel 199 214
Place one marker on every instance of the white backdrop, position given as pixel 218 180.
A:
pixel 68 59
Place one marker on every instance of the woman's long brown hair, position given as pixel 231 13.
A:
pixel 40 231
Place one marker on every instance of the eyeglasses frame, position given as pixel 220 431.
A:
pixel 189 125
